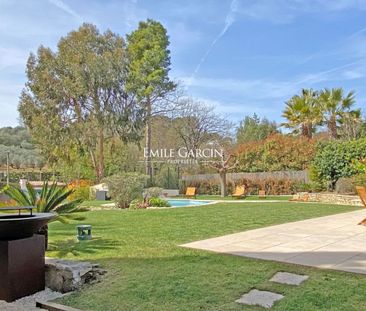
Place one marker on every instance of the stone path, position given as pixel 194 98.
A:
pixel 267 299
pixel 289 278
pixel 260 298
pixel 331 242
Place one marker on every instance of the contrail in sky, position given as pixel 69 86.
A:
pixel 229 20
pixel 64 7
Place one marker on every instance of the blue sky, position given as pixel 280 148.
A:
pixel 242 56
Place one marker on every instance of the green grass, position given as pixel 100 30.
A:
pixel 249 197
pixel 147 270
pixel 95 203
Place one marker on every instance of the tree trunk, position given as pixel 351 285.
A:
pixel 310 131
pixel 332 127
pixel 223 185
pixel 307 130
pixel 44 231
pixel 149 171
pixel 100 165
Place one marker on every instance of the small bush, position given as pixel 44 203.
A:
pixel 302 187
pixel 309 187
pixel 345 185
pixel 359 180
pixel 138 204
pixel 153 192
pixel 126 187
pixel 81 189
pixel 157 202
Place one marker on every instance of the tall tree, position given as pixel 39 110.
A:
pixel 303 113
pixel 252 128
pixel 148 67
pixel 352 125
pixel 76 97
pixel 334 106
pixel 197 124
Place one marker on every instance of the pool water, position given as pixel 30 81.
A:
pixel 182 203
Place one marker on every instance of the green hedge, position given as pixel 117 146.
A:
pixel 336 159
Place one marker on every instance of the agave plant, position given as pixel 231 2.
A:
pixel 51 199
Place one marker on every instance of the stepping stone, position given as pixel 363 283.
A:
pixel 289 278
pixel 260 298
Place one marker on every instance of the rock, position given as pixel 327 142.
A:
pixel 67 275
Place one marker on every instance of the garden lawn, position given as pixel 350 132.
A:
pixel 95 203
pixel 147 270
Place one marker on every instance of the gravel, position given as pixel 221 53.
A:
pixel 29 303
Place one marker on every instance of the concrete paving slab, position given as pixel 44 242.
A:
pixel 289 278
pixel 261 298
pixel 333 242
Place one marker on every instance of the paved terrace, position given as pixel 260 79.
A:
pixel 331 242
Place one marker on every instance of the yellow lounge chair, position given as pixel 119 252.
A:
pixel 362 193
pixel 191 192
pixel 239 192
pixel 261 194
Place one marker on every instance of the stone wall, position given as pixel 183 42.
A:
pixel 333 198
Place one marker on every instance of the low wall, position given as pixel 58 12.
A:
pixel 333 198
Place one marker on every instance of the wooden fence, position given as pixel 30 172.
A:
pixel 299 176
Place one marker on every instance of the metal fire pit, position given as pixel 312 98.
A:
pixel 22 251
pixel 21 225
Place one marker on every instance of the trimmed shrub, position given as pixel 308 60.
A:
pixel 157 202
pixel 335 159
pixel 126 187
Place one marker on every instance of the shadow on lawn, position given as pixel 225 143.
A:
pixel 75 247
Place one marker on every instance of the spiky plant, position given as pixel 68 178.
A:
pixel 51 199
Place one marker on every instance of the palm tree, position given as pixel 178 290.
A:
pixel 334 105
pixel 303 113
pixel 51 199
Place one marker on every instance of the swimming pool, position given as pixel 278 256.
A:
pixel 182 203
